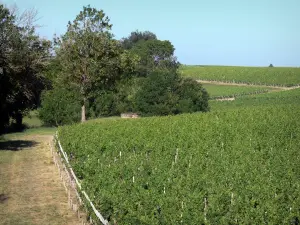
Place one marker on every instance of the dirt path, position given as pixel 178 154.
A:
pixel 276 88
pixel 31 191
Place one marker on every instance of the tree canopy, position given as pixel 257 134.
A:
pixel 89 56
pixel 135 37
pixel 86 69
pixel 23 56
pixel 154 53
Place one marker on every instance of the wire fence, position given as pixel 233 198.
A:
pixel 72 185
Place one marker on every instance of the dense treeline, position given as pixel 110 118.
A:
pixel 107 76
pixel 86 72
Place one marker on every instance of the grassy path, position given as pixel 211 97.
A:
pixel 30 189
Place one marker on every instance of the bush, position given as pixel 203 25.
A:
pixel 161 93
pixel 60 106
pixel 126 92
pixel 156 94
pixel 192 97
pixel 165 93
pixel 104 105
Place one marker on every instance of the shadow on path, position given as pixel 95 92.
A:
pixel 3 198
pixel 16 145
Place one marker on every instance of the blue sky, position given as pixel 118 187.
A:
pixel 204 32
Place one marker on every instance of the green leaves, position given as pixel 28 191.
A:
pixel 87 51
pixel 23 58
pixel 89 56
pixel 232 167
pixel 276 76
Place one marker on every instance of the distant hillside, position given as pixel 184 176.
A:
pixel 281 76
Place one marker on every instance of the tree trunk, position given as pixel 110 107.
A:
pixel 83 119
pixel 19 120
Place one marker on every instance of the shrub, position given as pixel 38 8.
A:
pixel 126 92
pixel 104 105
pixel 60 106
pixel 165 93
pixel 192 97
pixel 156 94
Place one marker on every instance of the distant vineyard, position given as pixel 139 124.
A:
pixel 223 91
pixel 281 98
pixel 278 76
pixel 226 167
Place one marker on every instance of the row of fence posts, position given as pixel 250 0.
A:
pixel 74 199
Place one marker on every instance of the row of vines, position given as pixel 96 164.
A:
pixel 233 167
pixel 227 91
pixel 238 94
pixel 277 77
pixel 280 98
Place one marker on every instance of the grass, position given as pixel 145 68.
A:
pixel 33 126
pixel 32 120
pixel 30 187
pixel 229 90
pixel 257 75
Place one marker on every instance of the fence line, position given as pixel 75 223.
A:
pixel 97 213
pixel 67 183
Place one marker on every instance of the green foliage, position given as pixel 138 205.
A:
pixel 89 56
pixel 156 95
pixel 281 98
pixel 60 106
pixel 192 97
pixel 217 91
pixel 235 166
pixel 281 76
pixel 126 91
pixel 23 57
pixel 104 105
pixel 135 37
pixel 155 54
pixel 165 93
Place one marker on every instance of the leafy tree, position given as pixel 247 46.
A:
pixel 137 36
pixel 104 105
pixel 271 65
pixel 166 93
pixel 6 25
pixel 156 95
pixel 28 63
pixel 154 54
pixel 90 58
pixel 60 106
pixel 126 91
pixel 22 58
pixel 192 97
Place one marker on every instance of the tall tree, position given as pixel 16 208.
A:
pixel 137 36
pixel 22 59
pixel 90 57
pixel 8 34
pixel 155 54
pixel 28 63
